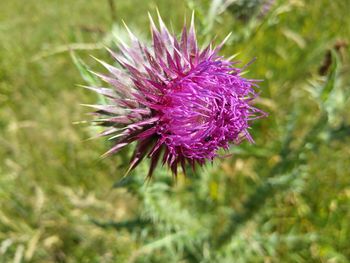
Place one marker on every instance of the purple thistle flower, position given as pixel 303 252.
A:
pixel 180 103
pixel 266 7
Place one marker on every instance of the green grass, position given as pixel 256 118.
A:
pixel 53 184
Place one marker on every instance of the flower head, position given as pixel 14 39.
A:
pixel 180 103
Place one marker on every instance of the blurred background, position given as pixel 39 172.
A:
pixel 284 199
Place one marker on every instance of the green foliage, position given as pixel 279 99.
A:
pixel 284 199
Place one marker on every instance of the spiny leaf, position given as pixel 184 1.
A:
pixel 86 74
pixel 84 70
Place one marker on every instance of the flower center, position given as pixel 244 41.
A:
pixel 187 120
pixel 202 112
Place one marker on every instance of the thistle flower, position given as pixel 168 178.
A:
pixel 245 10
pixel 180 103
pixel 266 7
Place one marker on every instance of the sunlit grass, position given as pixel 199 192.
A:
pixel 54 186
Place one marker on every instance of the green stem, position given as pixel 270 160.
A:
pixel 112 9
